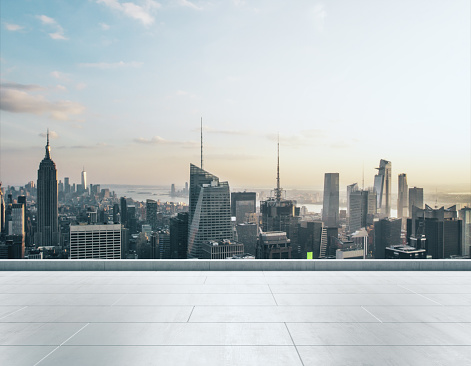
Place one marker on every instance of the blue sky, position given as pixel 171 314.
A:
pixel 122 85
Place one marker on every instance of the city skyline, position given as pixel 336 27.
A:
pixel 344 85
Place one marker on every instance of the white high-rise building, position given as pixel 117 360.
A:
pixel 95 241
pixel 84 180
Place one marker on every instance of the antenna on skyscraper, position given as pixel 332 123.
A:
pixel 48 137
pixel 278 188
pixel 201 142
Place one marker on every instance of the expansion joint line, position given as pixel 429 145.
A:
pixel 294 344
pixel 60 345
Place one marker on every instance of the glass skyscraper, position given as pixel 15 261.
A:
pixel 210 210
pixel 382 187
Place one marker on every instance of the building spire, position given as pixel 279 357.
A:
pixel 278 188
pixel 48 148
pixel 201 142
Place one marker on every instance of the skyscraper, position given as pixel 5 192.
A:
pixel 210 210
pixel 151 213
pixel 123 211
pixel 402 191
pixel 330 210
pixel 95 241
pixel 465 216
pixel 48 226
pixel 84 180
pixel 358 213
pixel 382 186
pixel 351 188
pixel 416 198
pixel 2 210
pixel 243 203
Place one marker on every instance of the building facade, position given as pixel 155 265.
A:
pixel 47 207
pixel 210 210
pixel 382 185
pixel 330 209
pixel 95 241
pixel 402 196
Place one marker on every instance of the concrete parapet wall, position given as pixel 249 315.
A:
pixel 236 265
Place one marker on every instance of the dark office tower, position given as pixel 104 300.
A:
pixel 151 213
pixel 416 198
pixel 48 226
pixel 210 210
pixel 402 193
pixel 123 211
pixel 116 217
pixel 465 216
pixel 309 239
pixel 387 232
pixel 172 190
pixel 2 210
pixel 131 219
pixel 382 186
pixel 22 200
pixel 279 214
pixel 351 188
pixel 66 185
pixel 243 203
pixel 179 236
pixel 247 233
pixel 442 230
pixel 358 215
pixel 186 187
pixel 330 210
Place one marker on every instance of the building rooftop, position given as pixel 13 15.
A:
pixel 235 317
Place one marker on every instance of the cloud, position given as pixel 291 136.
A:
pixel 59 33
pixel 319 14
pixel 229 132
pixel 19 101
pixel 60 76
pixel 142 13
pixel 13 27
pixel 61 87
pixel 104 26
pixel 113 65
pixel 16 86
pixel 188 4
pixel 303 138
pixel 52 135
pixel 80 86
pixel 157 140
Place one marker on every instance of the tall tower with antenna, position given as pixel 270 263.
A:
pixel 48 225
pixel 280 215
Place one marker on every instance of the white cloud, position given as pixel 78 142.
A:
pixel 16 86
pixel 142 13
pixel 19 101
pixel 188 4
pixel 13 27
pixel 80 86
pixel 157 140
pixel 104 26
pixel 61 87
pixel 59 33
pixel 319 13
pixel 113 65
pixel 52 135
pixel 46 20
pixel 60 76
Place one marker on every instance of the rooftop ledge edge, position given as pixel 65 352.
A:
pixel 236 265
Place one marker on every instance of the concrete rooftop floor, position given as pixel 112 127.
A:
pixel 235 318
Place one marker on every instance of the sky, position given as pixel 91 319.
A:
pixel 122 86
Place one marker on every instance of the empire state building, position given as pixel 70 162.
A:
pixel 48 226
